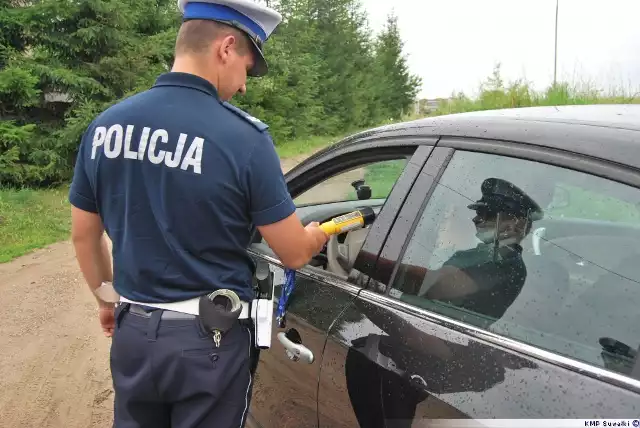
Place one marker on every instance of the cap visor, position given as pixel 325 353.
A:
pixel 477 205
pixel 260 67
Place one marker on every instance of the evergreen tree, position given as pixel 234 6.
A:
pixel 77 58
pixel 398 88
pixel 62 62
pixel 19 157
pixel 359 52
pixel 105 50
pixel 288 97
pixel 343 46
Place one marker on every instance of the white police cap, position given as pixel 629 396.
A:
pixel 255 20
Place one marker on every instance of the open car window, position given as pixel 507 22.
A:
pixel 366 180
pixel 378 176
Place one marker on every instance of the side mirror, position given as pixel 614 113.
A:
pixel 362 190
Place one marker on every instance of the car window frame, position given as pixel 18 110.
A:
pixel 420 195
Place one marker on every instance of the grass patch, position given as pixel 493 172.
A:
pixel 382 176
pixel 306 146
pixel 31 219
pixel 303 146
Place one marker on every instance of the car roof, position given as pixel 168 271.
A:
pixel 610 132
pixel 626 116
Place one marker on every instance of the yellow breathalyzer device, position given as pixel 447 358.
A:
pixel 347 222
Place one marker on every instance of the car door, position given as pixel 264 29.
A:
pixel 533 320
pixel 285 391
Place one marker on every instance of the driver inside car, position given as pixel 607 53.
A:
pixel 485 279
pixel 488 278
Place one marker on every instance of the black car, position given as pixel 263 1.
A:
pixel 500 278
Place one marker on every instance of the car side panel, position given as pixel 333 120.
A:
pixel 284 392
pixel 403 367
pixel 334 409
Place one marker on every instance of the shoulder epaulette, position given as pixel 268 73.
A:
pixel 259 125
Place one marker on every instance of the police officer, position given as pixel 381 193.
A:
pixel 180 180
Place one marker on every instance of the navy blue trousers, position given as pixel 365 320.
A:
pixel 169 373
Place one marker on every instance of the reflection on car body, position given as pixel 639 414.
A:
pixel 499 280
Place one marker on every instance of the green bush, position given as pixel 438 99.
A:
pixel 63 61
pixel 495 94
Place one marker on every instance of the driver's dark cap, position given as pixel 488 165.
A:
pixel 257 21
pixel 502 196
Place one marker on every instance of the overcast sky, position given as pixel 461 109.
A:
pixel 454 44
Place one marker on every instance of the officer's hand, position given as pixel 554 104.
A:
pixel 106 314
pixel 294 244
pixel 320 237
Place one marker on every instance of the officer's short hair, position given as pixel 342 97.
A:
pixel 195 37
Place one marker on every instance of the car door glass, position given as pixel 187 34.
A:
pixel 379 176
pixel 538 253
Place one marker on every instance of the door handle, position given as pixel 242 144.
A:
pixel 295 351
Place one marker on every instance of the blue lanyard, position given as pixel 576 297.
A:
pixel 287 289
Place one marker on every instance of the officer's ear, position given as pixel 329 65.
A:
pixel 226 47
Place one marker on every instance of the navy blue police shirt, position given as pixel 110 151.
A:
pixel 180 180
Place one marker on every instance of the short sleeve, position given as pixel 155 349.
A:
pixel 270 200
pixel 81 194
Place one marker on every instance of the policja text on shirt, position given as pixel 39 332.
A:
pixel 116 142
